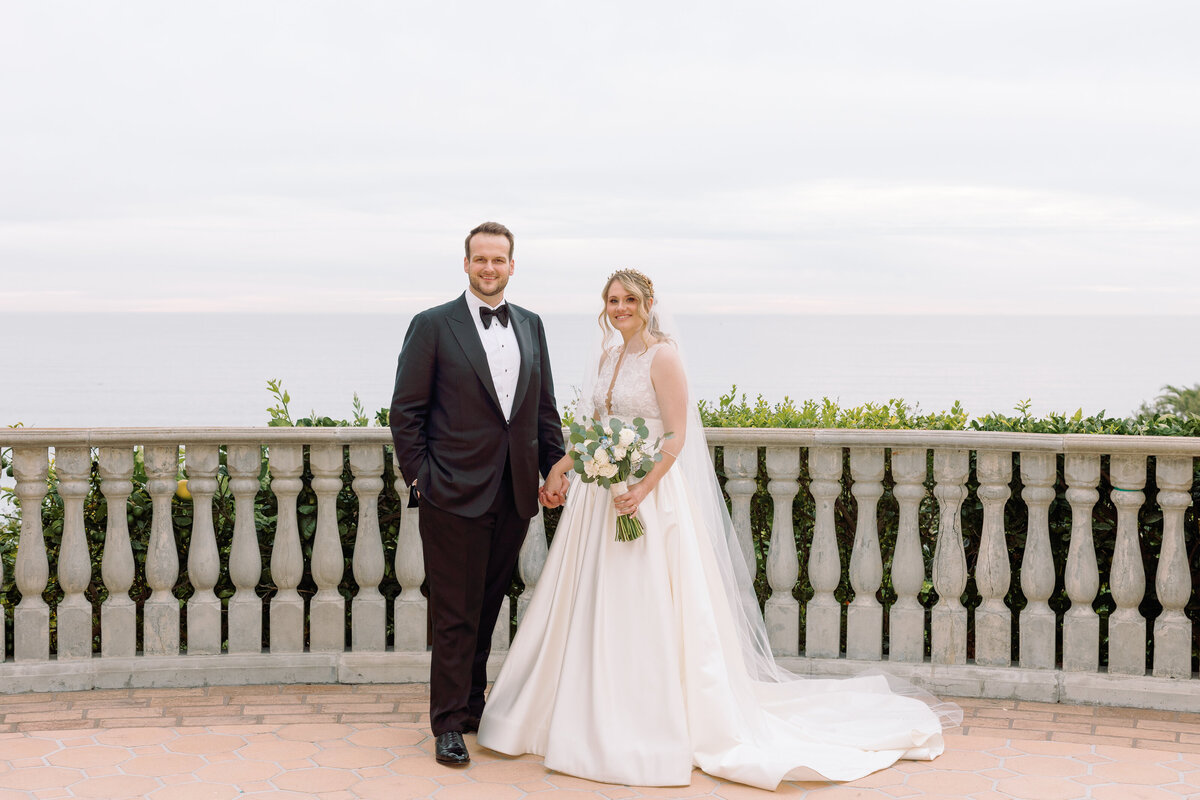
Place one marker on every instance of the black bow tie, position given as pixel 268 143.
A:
pixel 500 312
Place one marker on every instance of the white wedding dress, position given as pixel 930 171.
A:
pixel 627 667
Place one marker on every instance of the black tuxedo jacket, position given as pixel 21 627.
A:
pixel 451 436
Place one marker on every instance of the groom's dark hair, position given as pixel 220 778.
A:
pixel 494 228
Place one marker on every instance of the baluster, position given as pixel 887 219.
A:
pixel 502 631
pixel 244 462
pixel 410 610
pixel 782 611
pixel 74 634
pixel 1038 623
pixel 949 618
pixel 31 617
pixel 327 609
pixel 864 618
pixel 1081 624
pixel 160 614
pixel 118 613
pixel 530 562
pixel 368 609
pixel 1127 576
pixel 287 559
pixel 1173 582
pixel 906 619
pixel 822 629
pixel 741 473
pixel 3 618
pixel 204 562
pixel 993 574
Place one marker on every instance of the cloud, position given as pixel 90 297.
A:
pixel 301 156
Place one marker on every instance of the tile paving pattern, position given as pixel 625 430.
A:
pixel 368 742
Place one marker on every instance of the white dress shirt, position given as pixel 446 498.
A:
pixel 503 354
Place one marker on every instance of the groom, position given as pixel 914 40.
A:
pixel 473 420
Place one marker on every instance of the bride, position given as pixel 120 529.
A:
pixel 636 661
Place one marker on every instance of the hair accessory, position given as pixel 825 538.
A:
pixel 640 275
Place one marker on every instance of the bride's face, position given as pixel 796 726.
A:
pixel 621 306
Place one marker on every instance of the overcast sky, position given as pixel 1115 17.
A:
pixel 840 157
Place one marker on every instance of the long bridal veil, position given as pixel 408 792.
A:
pixel 712 518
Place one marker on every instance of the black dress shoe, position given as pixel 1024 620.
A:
pixel 471 725
pixel 451 749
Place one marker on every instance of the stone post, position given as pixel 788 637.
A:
pixel 864 618
pixel 368 609
pixel 31 617
pixel 782 612
pixel 74 629
pixel 1038 623
pixel 949 618
pixel 287 559
pixel 204 561
pixel 906 619
pixel 531 562
pixel 118 614
pixel 3 620
pixel 501 630
pixel 823 625
pixel 1127 577
pixel 327 609
pixel 741 471
pixel 244 462
pixel 410 612
pixel 1081 624
pixel 160 613
pixel 993 619
pixel 1173 581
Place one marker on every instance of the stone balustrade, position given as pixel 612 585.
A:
pixel 321 636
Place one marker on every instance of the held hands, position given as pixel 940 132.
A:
pixel 554 491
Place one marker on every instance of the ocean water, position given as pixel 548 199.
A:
pixel 93 370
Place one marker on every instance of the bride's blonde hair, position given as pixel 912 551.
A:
pixel 641 287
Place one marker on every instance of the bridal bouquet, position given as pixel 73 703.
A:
pixel 609 454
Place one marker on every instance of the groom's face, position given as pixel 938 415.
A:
pixel 488 267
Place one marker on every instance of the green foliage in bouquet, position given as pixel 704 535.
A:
pixel 612 454
pixel 606 457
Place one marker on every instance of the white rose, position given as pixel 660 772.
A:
pixel 601 455
pixel 619 452
pixel 608 470
pixel 626 436
pixel 591 468
pixel 635 458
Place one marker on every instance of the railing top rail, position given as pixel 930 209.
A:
pixel 1082 443
pixel 101 437
pixel 746 437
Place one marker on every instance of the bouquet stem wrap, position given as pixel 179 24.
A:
pixel 629 527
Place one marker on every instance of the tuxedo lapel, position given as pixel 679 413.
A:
pixel 524 335
pixel 463 328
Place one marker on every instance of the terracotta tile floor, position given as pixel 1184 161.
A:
pixel 367 742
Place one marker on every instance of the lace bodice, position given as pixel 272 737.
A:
pixel 632 394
